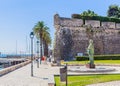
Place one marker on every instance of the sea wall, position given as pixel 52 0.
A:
pixel 12 68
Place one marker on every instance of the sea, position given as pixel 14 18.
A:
pixel 5 55
pixel 1 68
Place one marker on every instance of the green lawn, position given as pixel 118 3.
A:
pixel 85 80
pixel 96 62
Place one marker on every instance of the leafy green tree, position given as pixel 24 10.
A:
pixel 88 13
pixel 113 11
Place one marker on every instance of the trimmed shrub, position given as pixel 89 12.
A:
pixel 81 58
pixel 99 57
pixel 100 18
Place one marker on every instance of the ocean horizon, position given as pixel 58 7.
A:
pixel 5 55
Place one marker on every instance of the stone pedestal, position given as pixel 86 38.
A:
pixel 58 63
pixel 90 65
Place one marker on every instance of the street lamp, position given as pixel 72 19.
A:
pixel 37 54
pixel 31 36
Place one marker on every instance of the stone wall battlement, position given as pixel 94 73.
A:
pixel 70 22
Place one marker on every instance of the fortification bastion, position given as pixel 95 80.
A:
pixel 72 36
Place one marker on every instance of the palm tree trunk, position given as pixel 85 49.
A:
pixel 40 47
pixel 45 49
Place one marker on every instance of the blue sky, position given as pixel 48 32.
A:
pixel 18 17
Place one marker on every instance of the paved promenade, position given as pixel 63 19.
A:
pixel 22 76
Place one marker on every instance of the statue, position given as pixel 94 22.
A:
pixel 90 52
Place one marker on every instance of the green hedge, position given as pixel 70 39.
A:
pixel 99 57
pixel 100 18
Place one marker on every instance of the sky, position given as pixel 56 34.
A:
pixel 18 17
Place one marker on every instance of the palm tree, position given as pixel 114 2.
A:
pixel 41 31
pixel 38 28
pixel 46 41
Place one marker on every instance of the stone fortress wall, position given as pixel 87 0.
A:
pixel 72 37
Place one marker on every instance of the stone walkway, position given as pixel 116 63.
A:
pixel 22 76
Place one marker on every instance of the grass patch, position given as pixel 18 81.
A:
pixel 85 80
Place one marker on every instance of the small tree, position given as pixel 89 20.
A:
pixel 88 13
pixel 113 11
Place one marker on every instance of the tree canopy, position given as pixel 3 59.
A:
pixel 113 11
pixel 88 13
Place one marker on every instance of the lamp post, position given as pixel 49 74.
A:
pixel 37 54
pixel 31 36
